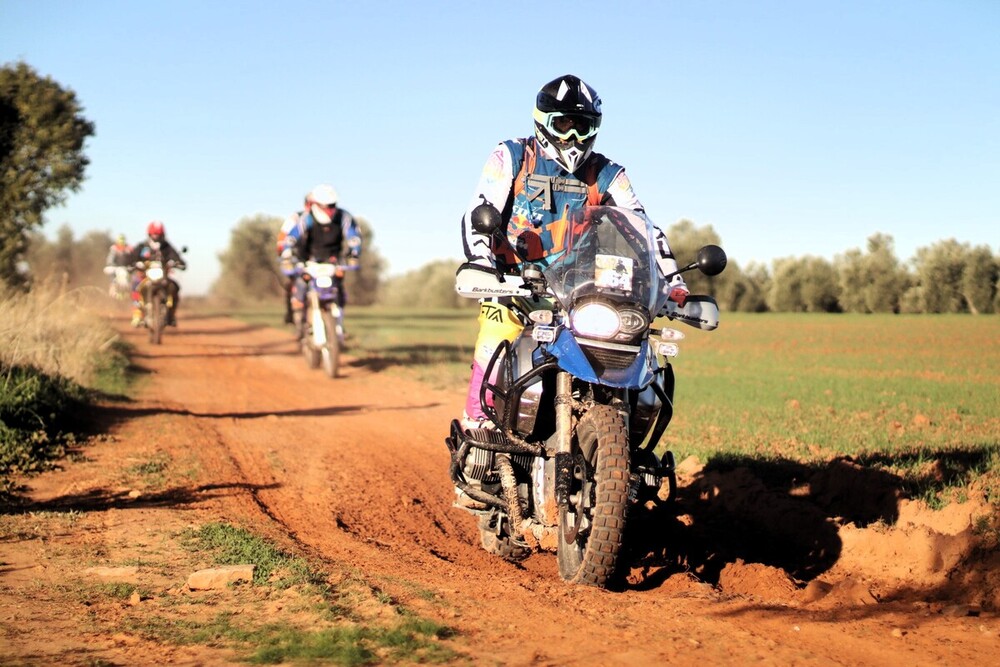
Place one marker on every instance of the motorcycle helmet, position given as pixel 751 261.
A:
pixel 567 117
pixel 155 231
pixel 322 202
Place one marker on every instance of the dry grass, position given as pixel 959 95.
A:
pixel 58 331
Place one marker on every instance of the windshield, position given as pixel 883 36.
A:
pixel 609 252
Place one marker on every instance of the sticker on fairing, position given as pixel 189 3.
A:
pixel 614 272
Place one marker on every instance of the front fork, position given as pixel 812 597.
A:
pixel 564 437
pixel 316 320
pixel 564 458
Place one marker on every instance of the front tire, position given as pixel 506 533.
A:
pixel 155 319
pixel 311 354
pixel 592 523
pixel 331 350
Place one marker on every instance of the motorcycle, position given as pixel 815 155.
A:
pixel 581 397
pixel 157 296
pixel 321 329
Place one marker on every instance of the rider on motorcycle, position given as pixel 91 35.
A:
pixel 118 253
pixel 534 181
pixel 155 242
pixel 323 233
pixel 118 258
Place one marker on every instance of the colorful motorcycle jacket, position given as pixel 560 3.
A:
pixel 534 195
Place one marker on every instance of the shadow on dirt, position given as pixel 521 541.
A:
pixel 224 331
pixel 115 414
pixel 255 351
pixel 416 355
pixel 777 512
pixel 100 500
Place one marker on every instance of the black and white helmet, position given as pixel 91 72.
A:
pixel 567 118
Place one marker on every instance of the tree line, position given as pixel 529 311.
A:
pixel 42 134
pixel 946 277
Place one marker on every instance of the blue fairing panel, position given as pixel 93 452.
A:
pixel 573 360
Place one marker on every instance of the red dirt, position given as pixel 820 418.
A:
pixel 823 566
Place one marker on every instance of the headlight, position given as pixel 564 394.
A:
pixel 598 320
pixel 155 273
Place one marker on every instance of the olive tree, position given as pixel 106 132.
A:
pixel 872 282
pixel 939 271
pixel 803 284
pixel 363 286
pixel 979 280
pixel 249 265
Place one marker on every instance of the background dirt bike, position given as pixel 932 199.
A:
pixel 581 396
pixel 321 328
pixel 156 297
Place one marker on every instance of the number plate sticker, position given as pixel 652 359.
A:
pixel 614 272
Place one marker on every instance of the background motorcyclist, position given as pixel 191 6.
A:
pixel 323 233
pixel 534 181
pixel 155 246
pixel 117 265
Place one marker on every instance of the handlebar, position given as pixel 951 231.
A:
pixel 170 264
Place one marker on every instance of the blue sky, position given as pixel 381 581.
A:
pixel 792 128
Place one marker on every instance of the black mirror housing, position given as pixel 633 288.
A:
pixel 711 260
pixel 486 219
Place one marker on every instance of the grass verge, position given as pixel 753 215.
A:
pixel 57 356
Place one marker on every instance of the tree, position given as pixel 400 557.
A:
pixel 806 284
pixel 685 239
pixel 363 285
pixel 979 280
pixel 42 133
pixel 74 263
pixel 430 286
pixel 874 282
pixel 939 270
pixel 748 290
pixel 249 269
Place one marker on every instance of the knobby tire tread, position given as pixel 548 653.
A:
pixel 600 556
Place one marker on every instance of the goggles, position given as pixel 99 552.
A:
pixel 566 126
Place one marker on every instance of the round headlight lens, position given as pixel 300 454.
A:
pixel 596 319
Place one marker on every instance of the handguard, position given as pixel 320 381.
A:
pixel 698 311
pixel 479 282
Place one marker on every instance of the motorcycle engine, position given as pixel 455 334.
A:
pixel 480 464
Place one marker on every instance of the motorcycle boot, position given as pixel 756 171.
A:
pixel 137 318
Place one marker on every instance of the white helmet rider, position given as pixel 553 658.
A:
pixel 567 117
pixel 322 203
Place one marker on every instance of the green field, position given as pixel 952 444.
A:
pixel 918 396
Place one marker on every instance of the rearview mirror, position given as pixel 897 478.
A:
pixel 711 260
pixel 486 219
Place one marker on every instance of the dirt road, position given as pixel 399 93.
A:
pixel 353 473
